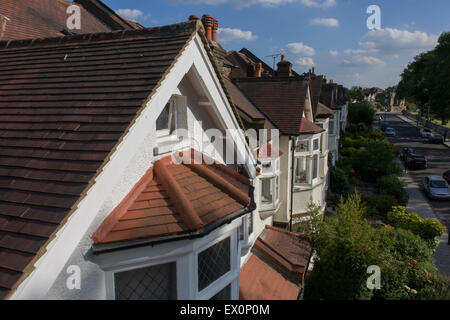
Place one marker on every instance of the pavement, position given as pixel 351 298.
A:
pixel 418 203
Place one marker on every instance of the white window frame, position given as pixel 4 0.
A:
pixel 164 133
pixel 271 175
pixel 185 255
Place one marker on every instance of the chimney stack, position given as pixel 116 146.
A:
pixel 284 68
pixel 208 23
pixel 258 70
pixel 191 18
pixel 215 29
pixel 313 70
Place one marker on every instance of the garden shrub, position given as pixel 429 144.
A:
pixel 347 245
pixel 379 205
pixel 339 181
pixel 377 136
pixel 391 185
pixel 428 229
pixel 376 160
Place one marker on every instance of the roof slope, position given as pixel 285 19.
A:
pixel 42 18
pixel 65 103
pixel 277 268
pixel 241 101
pixel 174 199
pixel 281 100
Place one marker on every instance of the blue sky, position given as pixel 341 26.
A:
pixel 331 35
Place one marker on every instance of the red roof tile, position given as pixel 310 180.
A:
pixel 307 126
pixel 277 267
pixel 64 105
pixel 174 199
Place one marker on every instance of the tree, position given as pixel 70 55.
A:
pixel 427 79
pixel 355 93
pixel 361 112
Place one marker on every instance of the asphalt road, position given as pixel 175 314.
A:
pixel 438 158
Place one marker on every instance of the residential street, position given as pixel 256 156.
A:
pixel 438 158
pixel 439 161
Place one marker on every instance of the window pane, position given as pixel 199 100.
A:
pixel 266 192
pixel 225 294
pixel 267 167
pixel 301 170
pixel 213 263
pixel 153 283
pixel 302 146
pixel 315 166
pixel 162 123
pixel 331 128
pixel 277 188
pixel 316 144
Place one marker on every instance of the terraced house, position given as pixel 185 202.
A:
pixel 93 204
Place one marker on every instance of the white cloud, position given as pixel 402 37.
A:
pixel 228 34
pixel 319 3
pixel 305 62
pixel 131 14
pixel 300 49
pixel 359 51
pixel 358 61
pixel 390 41
pixel 326 22
pixel 334 53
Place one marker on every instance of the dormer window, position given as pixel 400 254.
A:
pixel 166 124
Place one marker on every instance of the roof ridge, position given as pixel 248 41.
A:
pixel 183 27
pixel 181 203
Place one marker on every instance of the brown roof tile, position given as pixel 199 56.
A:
pixel 64 105
pixel 281 100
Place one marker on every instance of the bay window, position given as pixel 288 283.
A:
pixel 301 170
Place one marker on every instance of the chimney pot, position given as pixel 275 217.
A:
pixel 258 70
pixel 208 23
pixel 313 70
pixel 215 29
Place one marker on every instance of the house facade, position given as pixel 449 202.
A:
pixel 147 164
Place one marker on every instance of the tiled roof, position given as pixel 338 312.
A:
pixel 281 100
pixel 307 126
pixel 277 268
pixel 316 90
pixel 42 19
pixel 323 111
pixel 65 103
pixel 241 101
pixel 175 199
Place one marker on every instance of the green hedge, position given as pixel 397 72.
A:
pixel 428 229
pixel 391 185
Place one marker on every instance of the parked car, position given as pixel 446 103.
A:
pixel 435 138
pixel 384 125
pixel 390 132
pixel 436 188
pixel 413 160
pixel 405 152
pixel 425 133
pixel 379 117
pixel 446 176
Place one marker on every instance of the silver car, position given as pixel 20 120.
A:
pixel 436 188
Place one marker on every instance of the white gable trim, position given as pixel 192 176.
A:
pixel 60 249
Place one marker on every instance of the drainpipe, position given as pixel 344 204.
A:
pixel 292 182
